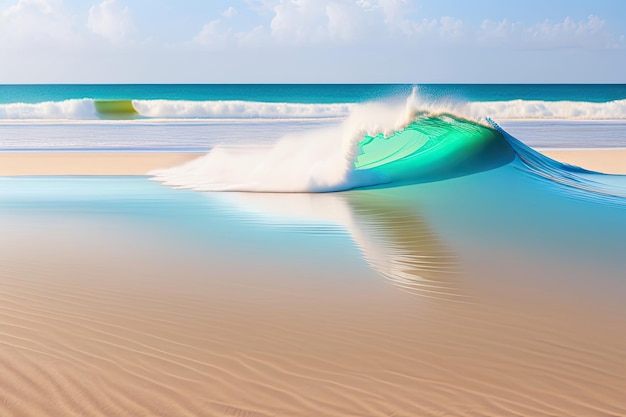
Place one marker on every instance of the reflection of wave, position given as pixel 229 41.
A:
pixel 398 243
pixel 391 235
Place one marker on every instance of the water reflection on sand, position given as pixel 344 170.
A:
pixel 122 297
pixel 394 239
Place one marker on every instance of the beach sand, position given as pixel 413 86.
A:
pixel 115 319
pixel 610 161
pixel 128 312
pixel 89 163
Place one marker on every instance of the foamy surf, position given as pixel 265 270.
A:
pixel 73 109
pixel 380 144
pixel 237 109
pixel 182 110
pixel 317 161
pixel 123 297
pixel 377 144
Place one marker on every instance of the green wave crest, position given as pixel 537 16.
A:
pixel 434 147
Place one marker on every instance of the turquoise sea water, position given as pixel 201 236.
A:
pixel 199 117
pixel 445 239
pixel 309 138
pixel 428 202
pixel 316 93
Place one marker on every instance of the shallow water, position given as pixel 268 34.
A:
pixel 488 292
pixel 468 275
pixel 204 135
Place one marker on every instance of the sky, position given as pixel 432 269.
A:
pixel 312 41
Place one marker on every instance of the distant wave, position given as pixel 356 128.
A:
pixel 75 109
pixel 536 109
pixel 90 109
pixel 238 109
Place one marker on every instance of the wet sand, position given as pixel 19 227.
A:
pixel 123 327
pixel 119 296
pixel 18 163
pixel 610 161
pixel 124 312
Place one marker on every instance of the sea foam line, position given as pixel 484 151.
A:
pixel 239 109
pixel 85 109
pixel 551 110
pixel 74 109
pixel 315 161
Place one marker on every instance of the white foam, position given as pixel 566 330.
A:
pixel 183 110
pixel 84 109
pixel 545 110
pixel 79 109
pixel 523 110
pixel 316 161
pixel 238 109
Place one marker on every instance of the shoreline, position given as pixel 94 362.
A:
pixel 40 163
pixel 607 161
pixel 35 163
pixel 130 298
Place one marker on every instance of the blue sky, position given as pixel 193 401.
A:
pixel 413 41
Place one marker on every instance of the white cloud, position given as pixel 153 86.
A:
pixel 341 25
pixel 299 22
pixel 213 35
pixel 393 10
pixel 450 28
pixel 110 20
pixel 230 12
pixel 294 22
pixel 310 23
pixel 257 37
pixel 260 6
pixel 566 34
pixel 423 27
pixel 332 21
pixel 446 28
pixel 349 22
pixel 36 23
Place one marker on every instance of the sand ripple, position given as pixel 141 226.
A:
pixel 120 332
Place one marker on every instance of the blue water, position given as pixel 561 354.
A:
pixel 471 227
pixel 508 224
pixel 299 93
pixel 200 117
pixel 315 93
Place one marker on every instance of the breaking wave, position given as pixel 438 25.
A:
pixel 377 145
pixel 90 109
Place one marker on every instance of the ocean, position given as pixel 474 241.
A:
pixel 337 250
pixel 198 117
